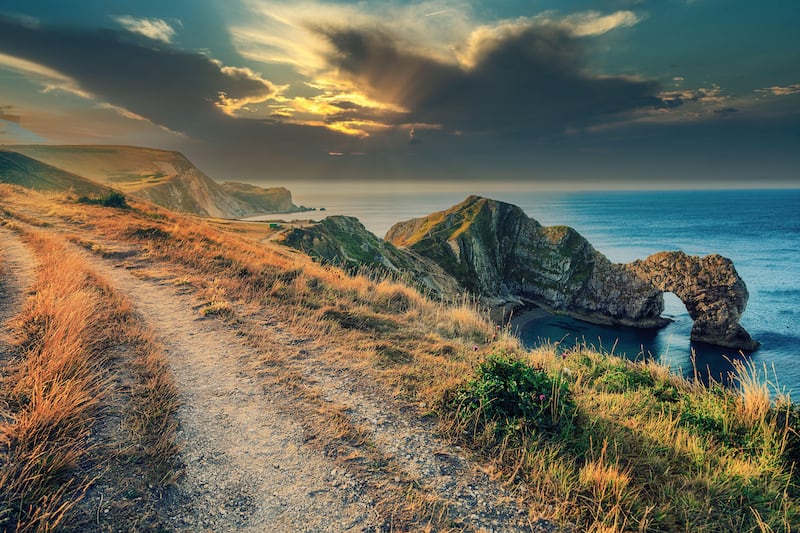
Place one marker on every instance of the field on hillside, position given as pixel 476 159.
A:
pixel 269 391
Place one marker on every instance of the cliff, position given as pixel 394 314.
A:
pixel 495 250
pixel 163 177
pixel 260 200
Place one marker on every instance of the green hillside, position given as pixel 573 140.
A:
pixel 22 170
pixel 166 178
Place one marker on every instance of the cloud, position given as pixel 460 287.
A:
pixel 525 80
pixel 593 23
pixel 156 29
pixel 182 91
pixel 284 32
pixel 433 48
pixel 50 79
pixel 703 95
pixel 778 90
pixel 5 114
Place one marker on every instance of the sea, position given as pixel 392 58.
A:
pixel 758 229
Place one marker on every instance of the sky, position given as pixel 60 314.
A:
pixel 644 93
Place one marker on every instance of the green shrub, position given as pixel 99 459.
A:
pixel 111 199
pixel 150 233
pixel 510 398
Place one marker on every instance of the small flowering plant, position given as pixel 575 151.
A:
pixel 508 395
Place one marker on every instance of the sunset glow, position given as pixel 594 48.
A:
pixel 557 92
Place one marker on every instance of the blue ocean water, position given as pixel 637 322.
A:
pixel 758 229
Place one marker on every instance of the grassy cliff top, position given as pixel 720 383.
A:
pixel 576 436
pixel 165 177
pixel 22 170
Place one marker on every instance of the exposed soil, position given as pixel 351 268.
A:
pixel 246 465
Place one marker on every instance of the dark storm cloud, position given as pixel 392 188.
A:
pixel 171 88
pixel 531 81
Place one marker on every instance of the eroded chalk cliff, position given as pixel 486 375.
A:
pixel 495 250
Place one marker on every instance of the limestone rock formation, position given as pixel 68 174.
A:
pixel 710 288
pixel 496 251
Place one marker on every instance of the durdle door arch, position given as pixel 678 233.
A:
pixel 710 288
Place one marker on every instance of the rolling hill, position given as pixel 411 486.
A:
pixel 22 170
pixel 163 177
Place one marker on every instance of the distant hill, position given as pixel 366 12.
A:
pixel 163 177
pixel 22 170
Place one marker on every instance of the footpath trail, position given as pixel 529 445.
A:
pixel 248 440
pixel 246 465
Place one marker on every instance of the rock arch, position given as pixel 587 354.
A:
pixel 710 288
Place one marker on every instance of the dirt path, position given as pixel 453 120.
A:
pixel 17 270
pixel 246 465
pixel 410 446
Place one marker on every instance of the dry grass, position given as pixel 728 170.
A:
pixel 51 394
pixel 58 385
pixel 646 451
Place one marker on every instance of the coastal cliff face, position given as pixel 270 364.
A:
pixel 496 251
pixel 163 177
pixel 710 288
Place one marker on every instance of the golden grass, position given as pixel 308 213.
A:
pixel 647 450
pixel 50 394
pixel 58 384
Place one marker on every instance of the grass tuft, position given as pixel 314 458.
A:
pixel 112 199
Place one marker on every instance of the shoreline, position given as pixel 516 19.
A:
pixel 524 316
